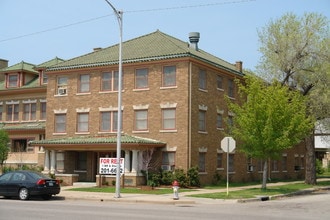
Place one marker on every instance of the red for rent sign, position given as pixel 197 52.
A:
pixel 109 166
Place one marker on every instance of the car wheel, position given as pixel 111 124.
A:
pixel 23 194
pixel 47 197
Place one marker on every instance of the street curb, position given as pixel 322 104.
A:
pixel 298 193
pixel 129 200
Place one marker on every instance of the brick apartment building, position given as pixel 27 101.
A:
pixel 173 105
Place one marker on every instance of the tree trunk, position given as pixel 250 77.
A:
pixel 310 175
pixel 264 175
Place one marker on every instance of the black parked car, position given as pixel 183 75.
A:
pixel 23 184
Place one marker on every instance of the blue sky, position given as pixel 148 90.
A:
pixel 36 31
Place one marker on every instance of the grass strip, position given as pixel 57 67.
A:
pixel 257 191
pixel 156 191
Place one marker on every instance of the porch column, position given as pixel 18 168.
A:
pixel 52 162
pixel 46 162
pixel 127 161
pixel 135 161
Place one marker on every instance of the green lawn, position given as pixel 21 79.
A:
pixel 257 191
pixel 156 191
pixel 240 194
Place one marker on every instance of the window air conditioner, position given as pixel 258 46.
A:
pixel 166 167
pixel 250 168
pixel 62 91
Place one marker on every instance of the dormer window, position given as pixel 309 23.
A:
pixel 12 81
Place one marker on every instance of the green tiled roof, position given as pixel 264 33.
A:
pixel 23 126
pixel 126 139
pixel 153 46
pixel 50 63
pixel 22 66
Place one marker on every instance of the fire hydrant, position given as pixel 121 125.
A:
pixel 175 186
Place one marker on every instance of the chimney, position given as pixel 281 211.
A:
pixel 3 63
pixel 97 49
pixel 194 39
pixel 239 66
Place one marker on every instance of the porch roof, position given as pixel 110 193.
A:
pixel 97 142
pixel 23 126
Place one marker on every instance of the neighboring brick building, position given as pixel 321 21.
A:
pixel 23 110
pixel 173 104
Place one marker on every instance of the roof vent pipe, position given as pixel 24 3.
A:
pixel 194 39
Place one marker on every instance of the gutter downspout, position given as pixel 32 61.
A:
pixel 189 116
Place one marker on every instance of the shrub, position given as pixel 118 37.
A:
pixel 154 179
pixel 193 176
pixel 319 168
pixel 166 177
pixel 216 178
pixel 181 177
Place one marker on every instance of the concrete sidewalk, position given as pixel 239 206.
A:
pixel 184 198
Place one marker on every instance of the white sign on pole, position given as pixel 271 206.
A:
pixel 109 166
pixel 228 144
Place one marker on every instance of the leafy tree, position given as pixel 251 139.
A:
pixel 295 50
pixel 271 120
pixel 4 139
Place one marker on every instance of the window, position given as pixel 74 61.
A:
pixel 296 163
pixel 260 165
pixel 109 121
pixel 141 120
pixel 231 167
pixel 141 78
pixel 60 161
pixel 274 165
pixel 219 160
pixel 42 110
pixel 201 162
pixel 168 119
pixel 21 145
pixel 169 76
pixel 82 122
pixel 284 162
pixel 29 111
pixel 168 160
pixel 12 112
pixel 84 83
pixel 44 78
pixel 109 81
pixel 219 121
pixel 202 79
pixel 202 120
pixel 62 83
pixel 60 123
pixel 12 81
pixel 231 88
pixel 219 82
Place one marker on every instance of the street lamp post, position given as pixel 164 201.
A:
pixel 119 15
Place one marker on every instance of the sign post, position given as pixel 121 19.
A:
pixel 228 144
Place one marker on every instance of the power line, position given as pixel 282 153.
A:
pixel 136 11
